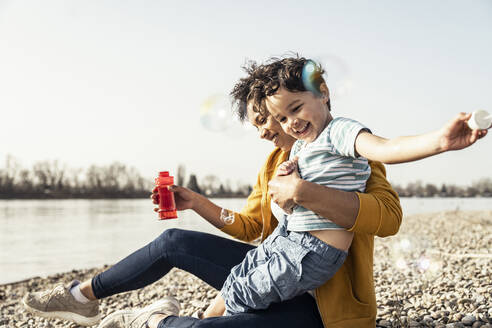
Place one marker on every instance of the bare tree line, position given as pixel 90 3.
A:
pixel 211 185
pixel 480 188
pixel 51 179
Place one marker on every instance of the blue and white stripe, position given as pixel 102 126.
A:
pixel 331 161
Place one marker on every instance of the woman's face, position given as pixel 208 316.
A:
pixel 270 129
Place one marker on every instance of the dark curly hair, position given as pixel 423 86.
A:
pixel 296 74
pixel 241 93
pixel 265 80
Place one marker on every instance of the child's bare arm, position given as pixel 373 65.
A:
pixel 454 135
pixel 216 308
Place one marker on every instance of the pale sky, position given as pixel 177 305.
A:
pixel 93 82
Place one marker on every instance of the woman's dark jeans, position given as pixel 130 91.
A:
pixel 210 258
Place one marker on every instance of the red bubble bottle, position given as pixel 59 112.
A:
pixel 167 206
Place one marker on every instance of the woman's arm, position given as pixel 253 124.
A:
pixel 454 135
pixel 377 211
pixel 290 190
pixel 248 224
pixel 187 199
pixel 245 227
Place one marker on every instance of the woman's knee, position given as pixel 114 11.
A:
pixel 170 239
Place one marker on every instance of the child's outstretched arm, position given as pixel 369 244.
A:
pixel 454 135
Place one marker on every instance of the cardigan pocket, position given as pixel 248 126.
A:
pixel 351 289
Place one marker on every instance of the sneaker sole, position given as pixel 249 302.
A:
pixel 69 316
pixel 151 307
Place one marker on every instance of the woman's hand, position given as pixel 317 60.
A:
pixel 457 135
pixel 183 197
pixel 282 188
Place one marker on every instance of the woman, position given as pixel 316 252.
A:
pixel 347 300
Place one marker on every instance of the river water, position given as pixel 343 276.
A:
pixel 43 237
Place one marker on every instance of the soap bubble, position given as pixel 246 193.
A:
pixel 216 115
pixel 429 265
pixel 423 264
pixel 311 74
pixel 401 264
pixel 435 266
pixel 336 74
pixel 414 254
pixel 405 245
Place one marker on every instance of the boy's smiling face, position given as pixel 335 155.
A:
pixel 301 114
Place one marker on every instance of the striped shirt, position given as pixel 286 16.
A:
pixel 331 161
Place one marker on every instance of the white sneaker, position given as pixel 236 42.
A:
pixel 138 318
pixel 59 303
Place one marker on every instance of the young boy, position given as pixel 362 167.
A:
pixel 306 250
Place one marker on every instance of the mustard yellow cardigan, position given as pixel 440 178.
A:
pixel 348 299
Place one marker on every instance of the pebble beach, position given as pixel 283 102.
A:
pixel 436 272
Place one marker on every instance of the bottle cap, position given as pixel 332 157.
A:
pixel 480 120
pixel 164 179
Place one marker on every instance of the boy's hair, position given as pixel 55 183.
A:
pixel 289 73
pixel 265 80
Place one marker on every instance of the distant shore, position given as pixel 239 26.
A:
pixel 147 194
pixel 104 196
pixel 434 273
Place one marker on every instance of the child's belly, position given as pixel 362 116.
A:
pixel 340 239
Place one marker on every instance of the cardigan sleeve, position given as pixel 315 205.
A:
pixel 380 211
pixel 248 223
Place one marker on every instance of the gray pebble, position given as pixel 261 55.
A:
pixel 455 325
pixel 459 288
pixel 468 320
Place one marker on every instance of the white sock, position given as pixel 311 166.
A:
pixel 77 294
